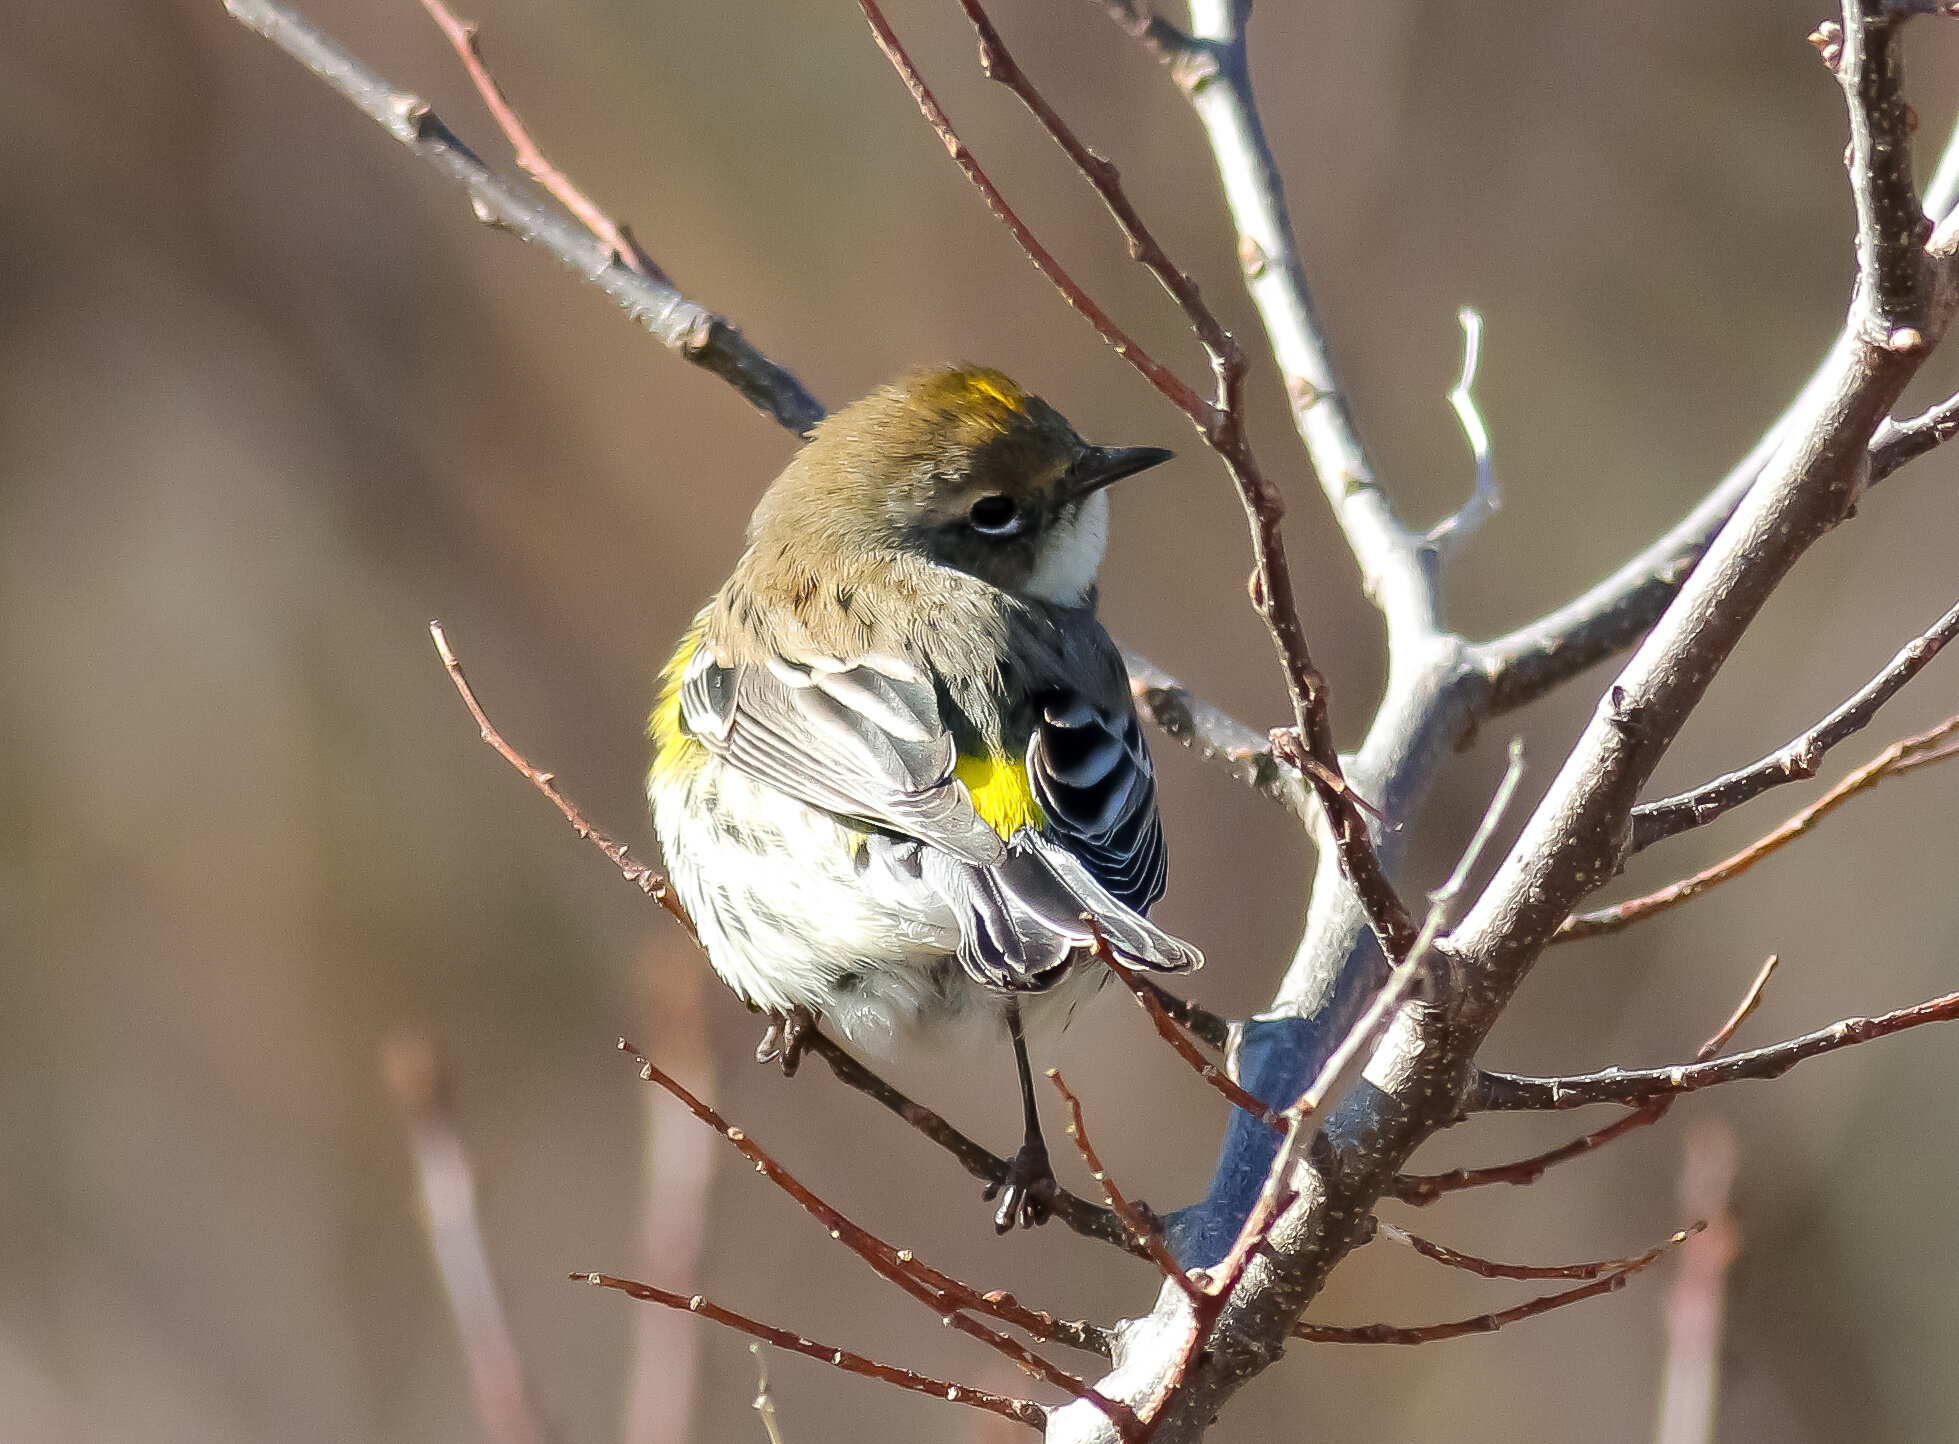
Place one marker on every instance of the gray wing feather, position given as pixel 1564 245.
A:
pixel 800 731
pixel 868 743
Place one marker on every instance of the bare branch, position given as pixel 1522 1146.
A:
pixel 940 1292
pixel 1899 442
pixel 687 329
pixel 1140 1229
pixel 1167 1030
pixel 1216 737
pixel 1157 35
pixel 463 36
pixel 1654 821
pixel 1490 1269
pixel 1892 230
pixel 1204 1025
pixel 1423 1189
pixel 496 1376
pixel 1484 1323
pixel 1077 1213
pixel 1505 1092
pixel 1153 371
pixel 1453 531
pixel 1213 70
pixel 1905 755
pixel 1021 1411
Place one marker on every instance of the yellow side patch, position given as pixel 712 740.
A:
pixel 1001 793
pixel 671 744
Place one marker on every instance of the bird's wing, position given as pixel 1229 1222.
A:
pixel 1091 774
pixel 863 741
pixel 867 741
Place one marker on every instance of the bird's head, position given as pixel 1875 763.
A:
pixel 961 466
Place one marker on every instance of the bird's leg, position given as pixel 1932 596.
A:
pixel 1030 1188
pixel 787 1037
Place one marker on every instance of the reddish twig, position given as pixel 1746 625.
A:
pixel 1167 1030
pixel 1309 746
pixel 1904 755
pixel 496 1376
pixel 463 36
pixel 1023 1411
pixel 1491 1269
pixel 1484 1323
pixel 646 879
pixel 1505 1092
pixel 1420 1189
pixel 1085 1218
pixel 1141 1230
pixel 944 1295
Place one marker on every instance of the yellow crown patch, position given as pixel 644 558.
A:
pixel 976 392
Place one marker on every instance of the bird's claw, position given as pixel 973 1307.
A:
pixel 788 1035
pixel 1028 1192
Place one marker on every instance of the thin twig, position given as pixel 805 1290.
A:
pixel 1425 1188
pixel 1216 736
pixel 1454 530
pixel 1407 976
pixel 463 36
pixel 1139 1228
pixel 1504 1092
pixel 496 1376
pixel 1208 1028
pixel 689 330
pixel 1484 1323
pixel 1491 1269
pixel 1897 442
pixel 764 1402
pixel 1085 1218
pixel 1309 746
pixel 1904 755
pixel 646 879
pixel 1167 1030
pixel 945 1295
pixel 1800 759
pixel 1023 1411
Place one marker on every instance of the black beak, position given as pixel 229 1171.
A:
pixel 1099 466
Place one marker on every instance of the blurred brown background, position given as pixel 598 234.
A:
pixel 269 400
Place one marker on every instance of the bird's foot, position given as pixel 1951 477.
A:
pixel 788 1035
pixel 1028 1192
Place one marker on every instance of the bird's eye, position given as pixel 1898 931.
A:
pixel 995 516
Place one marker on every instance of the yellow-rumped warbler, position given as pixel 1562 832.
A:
pixel 896 760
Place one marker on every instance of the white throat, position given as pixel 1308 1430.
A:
pixel 1071 552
